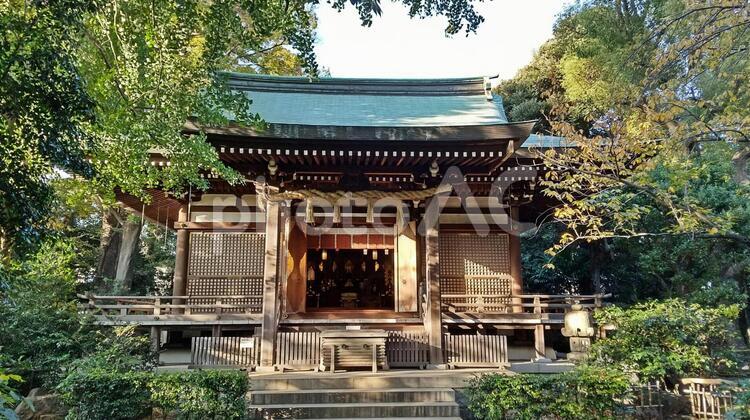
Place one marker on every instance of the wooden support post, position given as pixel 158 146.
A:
pixel 179 286
pixel 514 251
pixel 432 277
pixel 216 331
pixel 155 339
pixel 540 355
pixel 270 287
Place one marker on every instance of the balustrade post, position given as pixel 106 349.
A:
pixel 179 285
pixel 537 305
pixel 218 309
pixel 157 306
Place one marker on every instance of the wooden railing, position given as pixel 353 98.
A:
pixel 504 304
pixel 169 305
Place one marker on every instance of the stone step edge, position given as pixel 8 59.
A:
pixel 338 405
pixel 346 390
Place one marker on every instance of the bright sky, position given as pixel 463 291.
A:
pixel 396 46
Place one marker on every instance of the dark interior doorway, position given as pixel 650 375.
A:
pixel 349 278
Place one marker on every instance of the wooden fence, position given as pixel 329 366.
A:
pixel 407 349
pixel 225 352
pixel 476 350
pixel 298 349
pixel 709 398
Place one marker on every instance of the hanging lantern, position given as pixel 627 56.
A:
pixel 374 254
pixel 385 251
pixel 364 251
pixel 324 255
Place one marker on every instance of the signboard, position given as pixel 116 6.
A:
pixel 247 342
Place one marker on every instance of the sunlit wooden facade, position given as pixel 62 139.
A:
pixel 388 208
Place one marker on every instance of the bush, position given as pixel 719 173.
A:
pixel 668 340
pixel 741 409
pixel 585 393
pixel 101 394
pixel 41 330
pixel 199 395
pixel 116 381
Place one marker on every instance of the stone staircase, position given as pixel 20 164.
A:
pixel 361 395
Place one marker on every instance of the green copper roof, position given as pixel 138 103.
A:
pixel 371 102
pixel 544 141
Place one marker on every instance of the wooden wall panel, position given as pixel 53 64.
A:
pixel 225 263
pixel 473 264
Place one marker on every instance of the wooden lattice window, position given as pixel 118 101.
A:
pixel 226 263
pixel 475 265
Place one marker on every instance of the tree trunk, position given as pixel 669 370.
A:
pixel 109 244
pixel 119 240
pixel 130 233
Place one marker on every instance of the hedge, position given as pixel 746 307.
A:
pixel 584 393
pixel 99 394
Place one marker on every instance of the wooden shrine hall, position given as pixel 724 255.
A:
pixel 378 227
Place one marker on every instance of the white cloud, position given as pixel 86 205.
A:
pixel 397 46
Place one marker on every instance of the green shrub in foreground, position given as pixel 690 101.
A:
pixel 584 393
pixel 100 394
pixel 200 395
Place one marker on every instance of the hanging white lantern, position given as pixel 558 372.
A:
pixel 324 255
pixel 374 254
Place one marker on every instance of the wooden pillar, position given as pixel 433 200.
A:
pixel 179 285
pixel 432 277
pixel 514 253
pixel 270 287
pixel 155 340
pixel 540 354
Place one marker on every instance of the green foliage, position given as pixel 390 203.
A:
pixel 43 112
pixel 41 331
pixel 103 394
pixel 741 409
pixel 584 393
pixel 116 380
pixel 9 398
pixel 99 393
pixel 668 340
pixel 198 395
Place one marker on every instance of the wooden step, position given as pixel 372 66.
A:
pixel 355 410
pixel 328 396
pixel 365 380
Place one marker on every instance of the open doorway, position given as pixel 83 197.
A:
pixel 350 279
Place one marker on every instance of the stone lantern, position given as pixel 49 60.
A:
pixel 579 329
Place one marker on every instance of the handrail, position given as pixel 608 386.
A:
pixel 166 305
pixel 504 303
pixel 115 297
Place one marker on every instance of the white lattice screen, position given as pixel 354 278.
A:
pixel 473 264
pixel 226 263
